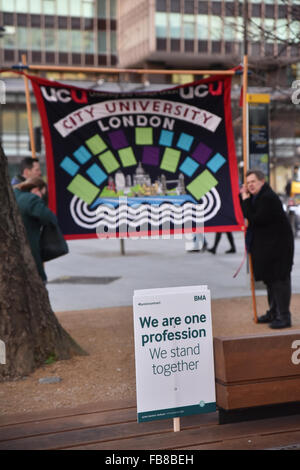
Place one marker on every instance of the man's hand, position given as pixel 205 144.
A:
pixel 244 192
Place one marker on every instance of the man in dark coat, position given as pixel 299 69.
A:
pixel 270 242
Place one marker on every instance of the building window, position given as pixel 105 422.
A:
pixel 88 9
pixel 50 40
pixel 49 7
pixel 202 27
pixel 161 5
pixel 35 6
pixel 161 25
pixel 36 39
pixel 216 28
pixel 102 47
pixel 102 9
pixel 88 42
pixel 175 25
pixel 63 8
pixel 63 40
pixel 113 42
pixel 188 26
pixel 189 6
pixel 113 9
pixel 175 6
pixel 21 5
pixel 76 41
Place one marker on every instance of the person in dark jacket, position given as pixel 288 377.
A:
pixel 29 196
pixel 269 240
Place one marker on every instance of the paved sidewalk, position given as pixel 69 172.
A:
pixel 95 274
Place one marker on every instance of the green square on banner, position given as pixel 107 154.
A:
pixel 170 160
pixel 202 184
pixel 96 144
pixel 83 189
pixel 127 157
pixel 109 161
pixel 143 135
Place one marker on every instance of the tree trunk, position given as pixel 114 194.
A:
pixel 28 326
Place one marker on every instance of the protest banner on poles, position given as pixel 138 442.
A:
pixel 168 155
pixel 173 352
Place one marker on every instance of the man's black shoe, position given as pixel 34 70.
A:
pixel 267 318
pixel 278 323
pixel 232 250
pixel 212 250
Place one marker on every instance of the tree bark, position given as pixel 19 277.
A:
pixel 28 326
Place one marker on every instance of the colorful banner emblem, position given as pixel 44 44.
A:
pixel 143 163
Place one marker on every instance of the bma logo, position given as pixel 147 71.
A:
pixel 296 354
pixel 199 297
pixel 2 352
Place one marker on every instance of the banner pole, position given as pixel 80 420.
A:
pixel 28 107
pixel 61 68
pixel 245 138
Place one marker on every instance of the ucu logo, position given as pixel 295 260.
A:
pixel 202 90
pixel 63 95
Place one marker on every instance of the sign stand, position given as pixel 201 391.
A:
pixel 176 424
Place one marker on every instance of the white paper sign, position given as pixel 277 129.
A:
pixel 173 352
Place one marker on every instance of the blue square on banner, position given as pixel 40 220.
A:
pixel 216 162
pixel 185 141
pixel 82 154
pixel 96 174
pixel 189 166
pixel 166 138
pixel 69 166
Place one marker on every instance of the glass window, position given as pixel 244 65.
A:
pixel 88 42
pixel 295 30
pixel 161 25
pixel 49 7
pixel 23 122
pixel 161 5
pixel 9 41
pixel 21 5
pixel 216 28
pixel 113 42
pixel 175 6
pixel 175 25
pixel 50 40
pixel 75 8
pixel 189 6
pixel 269 29
pixel 75 41
pixel 36 39
pixel 35 6
pixel 8 6
pixel 113 8
pixel 88 9
pixel 63 40
pixel 229 28
pixel 202 26
pixel 63 7
pixel 9 121
pixel 23 38
pixel 101 8
pixel 188 26
pixel 282 30
pixel 102 47
pixel 255 28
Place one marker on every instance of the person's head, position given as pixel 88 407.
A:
pixel 34 185
pixel 255 179
pixel 30 168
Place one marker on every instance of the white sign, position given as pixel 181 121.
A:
pixel 173 352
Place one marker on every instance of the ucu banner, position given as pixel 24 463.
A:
pixel 141 163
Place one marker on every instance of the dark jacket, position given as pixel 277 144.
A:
pixel 35 214
pixel 271 241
